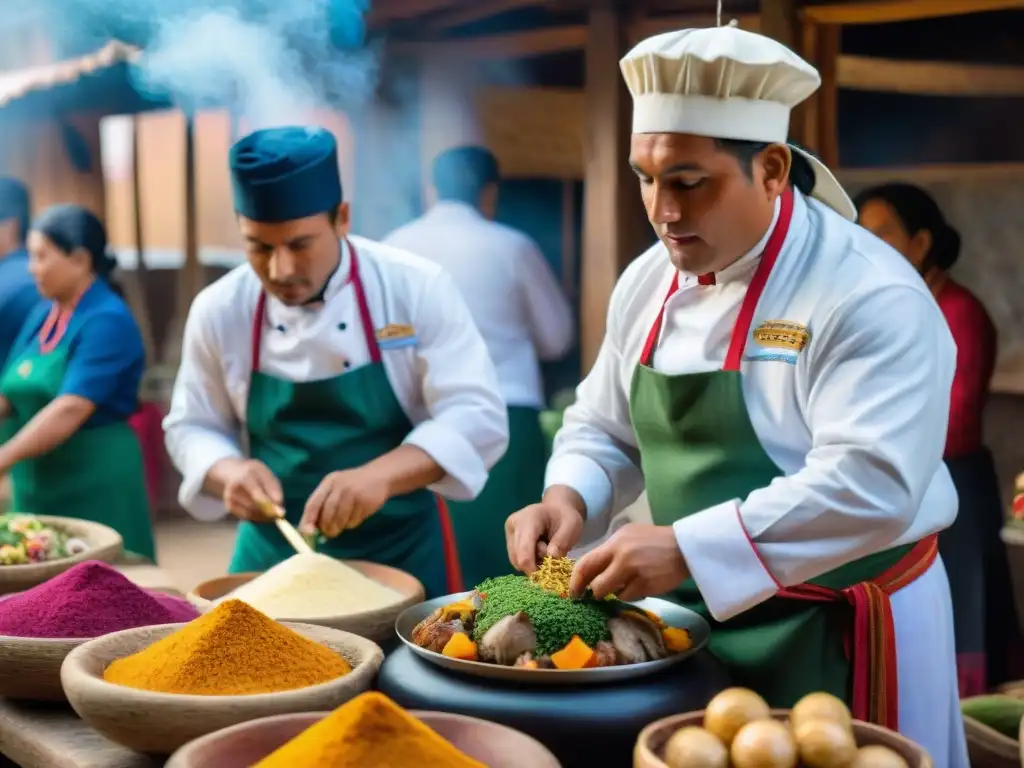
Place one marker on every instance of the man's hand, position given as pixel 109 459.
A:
pixel 344 500
pixel 636 562
pixel 550 528
pixel 251 492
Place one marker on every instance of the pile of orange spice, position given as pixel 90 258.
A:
pixel 370 730
pixel 232 651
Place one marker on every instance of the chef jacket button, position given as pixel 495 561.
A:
pixel 281 329
pixel 342 326
pixel 348 364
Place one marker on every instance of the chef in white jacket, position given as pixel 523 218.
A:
pixel 333 377
pixel 524 317
pixel 779 381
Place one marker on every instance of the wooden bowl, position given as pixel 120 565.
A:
pixel 988 748
pixel 240 746
pixel 377 625
pixel 30 667
pixel 652 739
pixel 105 544
pixel 159 723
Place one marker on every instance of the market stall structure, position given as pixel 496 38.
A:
pixel 573 133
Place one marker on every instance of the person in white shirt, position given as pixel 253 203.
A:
pixel 524 317
pixel 779 380
pixel 331 379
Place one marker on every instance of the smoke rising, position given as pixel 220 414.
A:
pixel 271 62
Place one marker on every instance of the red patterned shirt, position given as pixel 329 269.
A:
pixel 975 338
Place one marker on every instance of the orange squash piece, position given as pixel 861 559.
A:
pixel 576 655
pixel 676 640
pixel 460 646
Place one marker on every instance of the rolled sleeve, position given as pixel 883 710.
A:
pixel 201 427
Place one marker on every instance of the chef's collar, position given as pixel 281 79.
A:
pixel 338 278
pixel 742 265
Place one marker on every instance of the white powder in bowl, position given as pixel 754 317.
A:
pixel 311 586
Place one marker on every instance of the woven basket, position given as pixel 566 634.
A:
pixel 988 748
pixel 651 742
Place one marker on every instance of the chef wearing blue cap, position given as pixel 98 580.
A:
pixel 334 377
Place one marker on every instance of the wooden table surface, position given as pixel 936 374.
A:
pixel 52 736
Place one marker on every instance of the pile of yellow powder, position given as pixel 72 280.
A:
pixel 314 586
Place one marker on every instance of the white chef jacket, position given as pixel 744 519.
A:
pixel 856 422
pixel 445 383
pixel 511 292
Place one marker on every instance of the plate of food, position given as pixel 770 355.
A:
pixel 528 629
pixel 34 548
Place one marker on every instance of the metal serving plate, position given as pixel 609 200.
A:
pixel 673 615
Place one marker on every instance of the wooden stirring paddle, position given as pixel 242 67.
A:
pixel 291 535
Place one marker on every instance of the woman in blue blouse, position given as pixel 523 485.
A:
pixel 70 384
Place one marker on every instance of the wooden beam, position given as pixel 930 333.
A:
pixel 459 17
pixel 513 45
pixel 828 95
pixel 933 78
pixel 384 13
pixel 889 11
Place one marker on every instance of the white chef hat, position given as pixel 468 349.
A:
pixel 725 83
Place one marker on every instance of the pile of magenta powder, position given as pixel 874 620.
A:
pixel 86 601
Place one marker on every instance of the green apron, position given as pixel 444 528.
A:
pixel 97 474
pixel 303 431
pixel 516 481
pixel 699 449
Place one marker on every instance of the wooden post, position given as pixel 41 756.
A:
pixel 808 111
pixel 780 21
pixel 190 276
pixel 147 319
pixel 829 37
pixel 613 218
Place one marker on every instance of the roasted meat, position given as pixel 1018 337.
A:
pixel 636 638
pixel 508 639
pixel 433 633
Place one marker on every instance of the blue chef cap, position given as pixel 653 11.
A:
pixel 280 174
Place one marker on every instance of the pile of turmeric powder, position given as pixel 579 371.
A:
pixel 370 730
pixel 232 651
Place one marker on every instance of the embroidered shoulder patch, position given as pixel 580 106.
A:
pixel 778 340
pixel 396 336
